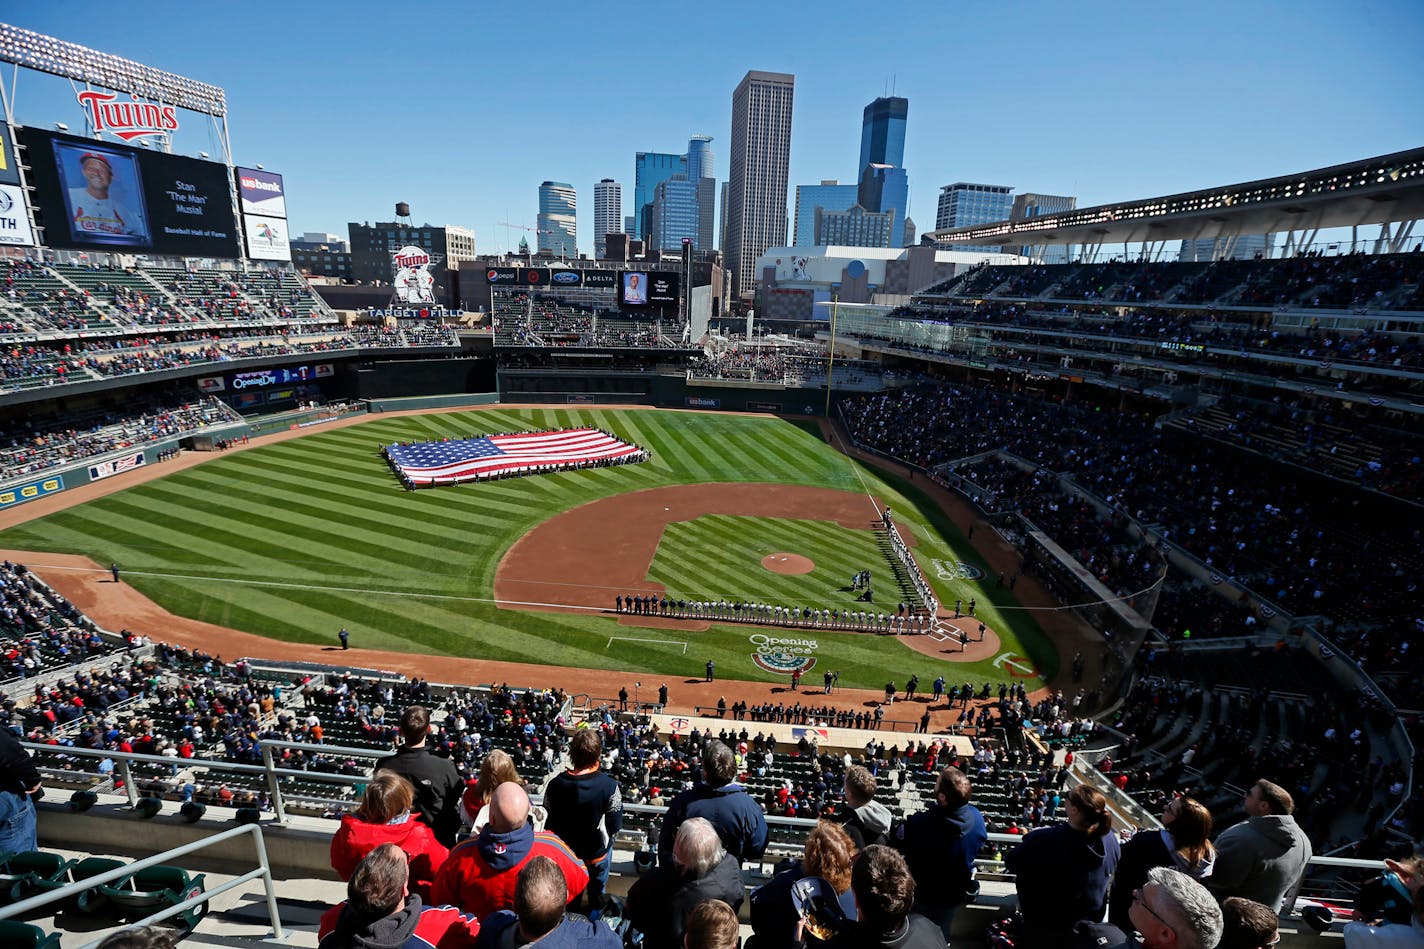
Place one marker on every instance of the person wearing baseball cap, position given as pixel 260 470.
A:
pixel 95 211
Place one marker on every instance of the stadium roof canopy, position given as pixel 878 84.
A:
pixel 1380 190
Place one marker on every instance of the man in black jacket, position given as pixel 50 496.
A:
pixel 585 809
pixel 884 892
pixel 738 819
pixel 661 901
pixel 436 781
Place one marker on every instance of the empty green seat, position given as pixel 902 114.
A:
pixel 16 935
pixel 150 890
pixel 22 875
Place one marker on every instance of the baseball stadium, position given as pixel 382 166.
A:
pixel 1128 531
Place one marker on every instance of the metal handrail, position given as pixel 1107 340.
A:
pixel 264 871
pixel 279 802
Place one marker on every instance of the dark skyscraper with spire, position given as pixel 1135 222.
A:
pixel 882 132
pixel 883 183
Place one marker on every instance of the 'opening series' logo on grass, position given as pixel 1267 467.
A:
pixel 956 570
pixel 783 656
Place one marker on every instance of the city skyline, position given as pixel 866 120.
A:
pixel 1111 123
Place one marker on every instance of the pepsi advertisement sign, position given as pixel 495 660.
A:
pixel 509 275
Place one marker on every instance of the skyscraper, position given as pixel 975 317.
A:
pixel 649 170
pixel 1030 205
pixel 886 188
pixel 558 219
pixel 702 172
pixel 607 212
pixel 882 132
pixel 760 156
pixel 674 216
pixel 829 195
pixel 963 205
pixel 855 227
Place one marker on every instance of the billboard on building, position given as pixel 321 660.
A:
pixel 267 238
pixel 555 278
pixel 14 218
pixel 9 166
pixel 413 280
pixel 642 289
pixel 261 192
pixel 98 195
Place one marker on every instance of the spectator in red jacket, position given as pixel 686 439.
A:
pixel 385 817
pixel 380 911
pixel 480 874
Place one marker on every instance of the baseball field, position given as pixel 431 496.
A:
pixel 297 539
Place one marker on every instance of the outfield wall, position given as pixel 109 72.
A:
pixel 665 390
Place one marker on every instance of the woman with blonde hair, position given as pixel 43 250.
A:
pixel 829 854
pixel 496 769
pixel 1182 844
pixel 385 817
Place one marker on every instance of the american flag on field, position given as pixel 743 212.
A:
pixel 469 459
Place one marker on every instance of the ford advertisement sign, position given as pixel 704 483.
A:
pixel 567 278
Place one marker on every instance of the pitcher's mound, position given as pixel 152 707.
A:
pixel 788 563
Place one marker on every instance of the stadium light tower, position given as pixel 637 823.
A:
pixel 89 68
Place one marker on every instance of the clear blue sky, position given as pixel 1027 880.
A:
pixel 461 109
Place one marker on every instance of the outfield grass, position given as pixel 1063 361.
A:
pixel 297 539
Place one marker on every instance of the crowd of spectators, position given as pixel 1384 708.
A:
pixel 1291 540
pixel 522 320
pixel 1312 279
pixel 31 447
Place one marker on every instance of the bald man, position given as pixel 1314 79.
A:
pixel 481 873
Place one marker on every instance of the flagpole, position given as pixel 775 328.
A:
pixel 831 362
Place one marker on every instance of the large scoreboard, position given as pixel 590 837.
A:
pixel 97 195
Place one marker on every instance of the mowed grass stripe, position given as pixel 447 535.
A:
pixel 313 537
pixel 302 513
pixel 686 452
pixel 129 515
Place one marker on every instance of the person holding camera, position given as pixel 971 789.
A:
pixel 1402 886
pixel 829 855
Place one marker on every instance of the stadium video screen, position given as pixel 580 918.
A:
pixel 97 195
pixel 638 289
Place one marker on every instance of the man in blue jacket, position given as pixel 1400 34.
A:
pixel 738 819
pixel 940 844
pixel 585 809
